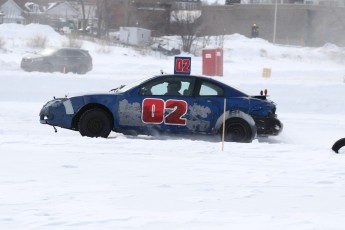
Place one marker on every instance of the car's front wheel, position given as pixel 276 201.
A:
pixel 238 130
pixel 95 123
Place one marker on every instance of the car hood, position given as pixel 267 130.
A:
pixel 87 94
pixel 32 56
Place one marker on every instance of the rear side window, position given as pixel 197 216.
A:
pixel 210 89
pixel 75 53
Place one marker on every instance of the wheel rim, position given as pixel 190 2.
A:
pixel 95 126
pixel 236 132
pixel 95 123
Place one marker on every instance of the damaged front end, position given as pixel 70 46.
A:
pixel 57 112
pixel 268 126
pixel 265 117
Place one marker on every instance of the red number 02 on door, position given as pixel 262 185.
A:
pixel 154 109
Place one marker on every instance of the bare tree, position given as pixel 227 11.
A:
pixel 83 15
pixel 187 25
pixel 103 12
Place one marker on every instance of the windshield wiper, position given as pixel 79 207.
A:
pixel 117 89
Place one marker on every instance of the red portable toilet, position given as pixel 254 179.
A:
pixel 209 62
pixel 219 62
pixel 212 62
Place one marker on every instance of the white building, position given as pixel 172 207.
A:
pixel 309 2
pixel 62 10
pixel 11 12
pixel 135 36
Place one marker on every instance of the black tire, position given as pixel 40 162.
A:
pixel 238 130
pixel 95 123
pixel 338 145
pixel 82 69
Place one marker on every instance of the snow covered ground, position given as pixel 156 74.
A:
pixel 64 181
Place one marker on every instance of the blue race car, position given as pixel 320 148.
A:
pixel 167 104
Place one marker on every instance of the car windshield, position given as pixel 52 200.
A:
pixel 125 88
pixel 47 52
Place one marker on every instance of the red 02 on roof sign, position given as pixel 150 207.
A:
pixel 182 65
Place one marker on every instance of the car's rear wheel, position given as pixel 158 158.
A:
pixel 82 69
pixel 238 130
pixel 95 123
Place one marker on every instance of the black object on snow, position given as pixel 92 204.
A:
pixel 338 145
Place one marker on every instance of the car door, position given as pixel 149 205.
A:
pixel 61 60
pixel 207 106
pixel 168 110
pixel 152 108
pixel 194 109
pixel 75 59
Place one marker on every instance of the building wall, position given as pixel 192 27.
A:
pixel 134 36
pixel 12 12
pixel 63 10
pixel 296 24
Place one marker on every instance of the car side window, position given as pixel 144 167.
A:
pixel 61 53
pixel 75 53
pixel 210 89
pixel 170 86
pixel 159 89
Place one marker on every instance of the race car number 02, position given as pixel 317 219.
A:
pixel 182 65
pixel 154 111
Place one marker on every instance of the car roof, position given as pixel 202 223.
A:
pixel 206 78
pixel 54 49
pixel 71 48
pixel 195 76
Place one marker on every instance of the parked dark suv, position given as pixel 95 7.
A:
pixel 58 60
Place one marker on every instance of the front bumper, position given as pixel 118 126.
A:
pixel 27 67
pixel 58 112
pixel 268 126
pixel 30 65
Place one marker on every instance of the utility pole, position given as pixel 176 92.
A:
pixel 129 5
pixel 127 13
pixel 275 21
pixel 83 26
